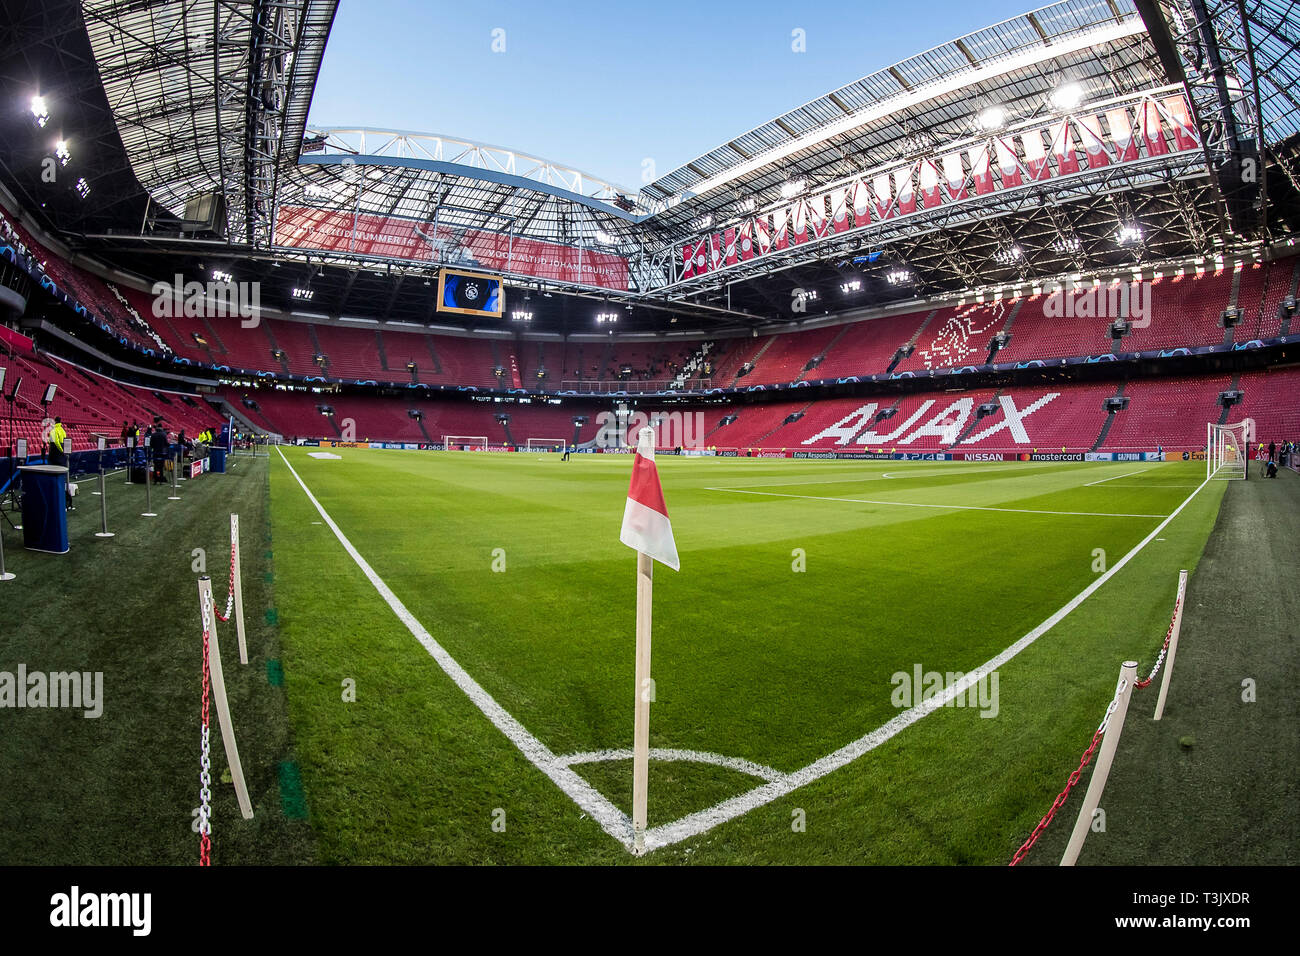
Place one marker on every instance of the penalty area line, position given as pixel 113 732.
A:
pixel 1101 481
pixel 915 504
pixel 612 820
pixel 704 820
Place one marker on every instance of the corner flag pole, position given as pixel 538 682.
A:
pixel 641 726
pixel 647 529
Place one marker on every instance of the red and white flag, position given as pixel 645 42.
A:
pixel 645 518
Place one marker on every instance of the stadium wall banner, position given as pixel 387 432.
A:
pixel 1126 456
pixel 873 455
pixel 1051 456
pixel 395 237
pixel 196 467
pixel 984 456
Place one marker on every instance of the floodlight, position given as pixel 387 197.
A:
pixel 995 117
pixel 1067 96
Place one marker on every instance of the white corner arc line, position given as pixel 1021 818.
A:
pixel 612 820
pixel 669 755
pixel 914 504
pixel 697 823
pixel 1101 481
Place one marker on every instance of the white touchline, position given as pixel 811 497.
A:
pixel 619 825
pixel 697 823
pixel 1113 477
pixel 611 819
pixel 668 755
pixel 914 504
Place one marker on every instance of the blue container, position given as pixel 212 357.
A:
pixel 45 514
pixel 217 460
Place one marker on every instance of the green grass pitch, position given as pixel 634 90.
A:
pixel 805 586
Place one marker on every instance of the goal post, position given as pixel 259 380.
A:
pixel 1226 450
pixel 464 442
pixel 547 444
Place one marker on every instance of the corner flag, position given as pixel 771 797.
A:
pixel 647 529
pixel 645 518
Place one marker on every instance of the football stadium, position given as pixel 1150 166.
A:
pixel 910 479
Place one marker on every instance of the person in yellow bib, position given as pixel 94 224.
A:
pixel 58 452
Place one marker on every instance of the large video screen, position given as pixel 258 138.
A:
pixel 470 293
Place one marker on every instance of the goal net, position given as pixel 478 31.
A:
pixel 546 444
pixel 464 442
pixel 1225 450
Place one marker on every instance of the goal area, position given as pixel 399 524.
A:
pixel 464 442
pixel 547 444
pixel 1226 450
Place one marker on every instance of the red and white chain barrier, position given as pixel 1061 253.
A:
pixel 1118 703
pixel 1073 779
pixel 214 687
pixel 230 588
pixel 205 752
pixel 235 592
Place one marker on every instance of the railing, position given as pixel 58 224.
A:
pixel 634 387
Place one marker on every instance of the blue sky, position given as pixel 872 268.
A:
pixel 605 86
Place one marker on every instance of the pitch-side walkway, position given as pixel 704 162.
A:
pixel 1217 780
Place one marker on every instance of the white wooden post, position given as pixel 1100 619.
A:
pixel 209 617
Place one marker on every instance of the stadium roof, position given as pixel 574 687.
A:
pixel 812 134
pixel 210 96
pixel 167 108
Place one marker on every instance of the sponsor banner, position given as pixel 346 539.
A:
pixel 728 452
pixel 875 455
pixel 984 456
pixel 1125 456
pixel 332 230
pixel 196 467
pixel 1194 456
pixel 1051 456
pixel 344 444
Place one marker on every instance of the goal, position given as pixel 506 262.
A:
pixel 464 442
pixel 1226 450
pixel 546 444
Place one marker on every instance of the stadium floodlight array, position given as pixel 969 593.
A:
pixel 1225 450
pixel 463 442
pixel 546 444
